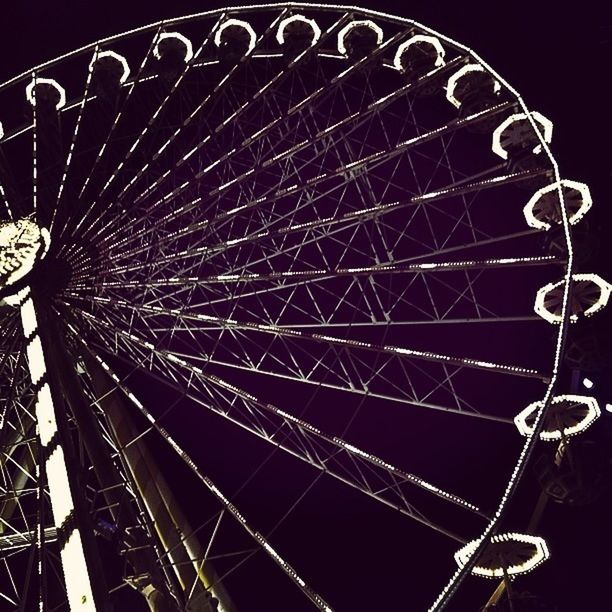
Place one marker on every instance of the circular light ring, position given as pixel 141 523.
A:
pixel 316 30
pixel 22 243
pixel 505 554
pixel 36 81
pixel 544 297
pixel 419 38
pixel 125 68
pixel 236 23
pixel 174 36
pixel 462 72
pixel 546 125
pixel 577 212
pixel 358 23
pixel 576 420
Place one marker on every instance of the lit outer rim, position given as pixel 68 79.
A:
pixel 177 36
pixel 358 23
pixel 540 555
pixel 432 40
pixel 544 123
pixel 282 26
pixel 593 413
pixel 587 202
pixel 455 78
pixel 124 63
pixel 245 25
pixel 529 444
pixel 604 287
pixel 42 81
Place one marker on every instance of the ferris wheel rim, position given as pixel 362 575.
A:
pixel 289 5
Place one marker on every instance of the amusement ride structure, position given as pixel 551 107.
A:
pixel 324 227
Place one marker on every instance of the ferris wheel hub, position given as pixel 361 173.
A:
pixel 22 245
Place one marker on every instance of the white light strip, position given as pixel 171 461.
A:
pixel 125 68
pixel 358 23
pixel 455 78
pixel 326 274
pixel 81 105
pixel 57 477
pixel 419 38
pixel 36 360
pixel 76 575
pixel 45 415
pixel 316 30
pixel 28 319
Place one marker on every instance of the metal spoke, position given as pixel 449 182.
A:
pixel 274 423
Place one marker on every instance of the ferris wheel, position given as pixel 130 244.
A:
pixel 264 250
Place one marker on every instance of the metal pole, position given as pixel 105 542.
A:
pixel 148 576
pixel 80 562
pixel 183 548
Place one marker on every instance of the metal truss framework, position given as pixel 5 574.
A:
pixel 305 217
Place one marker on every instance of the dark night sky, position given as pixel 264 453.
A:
pixel 558 58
